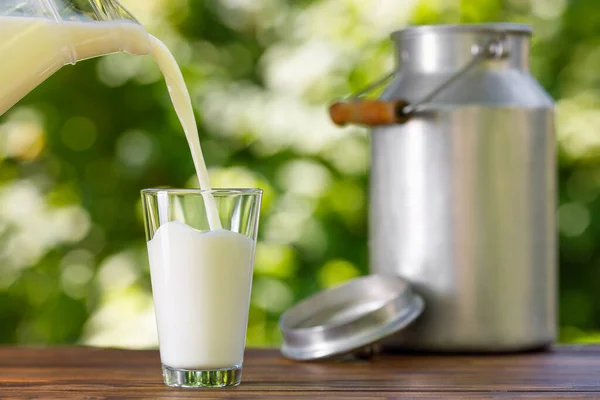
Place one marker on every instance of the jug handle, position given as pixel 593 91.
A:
pixel 369 112
pixel 377 112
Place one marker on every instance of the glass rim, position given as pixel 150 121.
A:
pixel 214 192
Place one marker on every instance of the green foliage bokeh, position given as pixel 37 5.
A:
pixel 76 152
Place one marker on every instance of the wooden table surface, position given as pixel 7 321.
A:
pixel 91 373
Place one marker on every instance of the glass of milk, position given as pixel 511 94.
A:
pixel 201 279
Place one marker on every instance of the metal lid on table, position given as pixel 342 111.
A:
pixel 348 318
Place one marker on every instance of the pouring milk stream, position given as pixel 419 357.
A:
pixel 33 49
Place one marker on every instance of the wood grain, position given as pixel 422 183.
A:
pixel 82 372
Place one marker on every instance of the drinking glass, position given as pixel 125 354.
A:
pixel 201 278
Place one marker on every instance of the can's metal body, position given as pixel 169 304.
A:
pixel 462 200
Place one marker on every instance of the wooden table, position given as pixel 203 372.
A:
pixel 79 372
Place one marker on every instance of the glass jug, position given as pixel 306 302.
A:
pixel 38 37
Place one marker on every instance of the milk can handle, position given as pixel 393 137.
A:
pixel 376 112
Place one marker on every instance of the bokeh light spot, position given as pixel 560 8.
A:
pixel 573 218
pixel 78 133
pixel 74 280
pixel 271 295
pixel 337 271
pixel 304 177
pixel 22 135
pixel 117 69
pixel 274 260
pixel 134 148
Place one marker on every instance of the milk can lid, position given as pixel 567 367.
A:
pixel 348 318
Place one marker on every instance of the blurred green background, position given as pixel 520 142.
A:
pixel 75 153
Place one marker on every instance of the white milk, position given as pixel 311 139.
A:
pixel 201 286
pixel 32 49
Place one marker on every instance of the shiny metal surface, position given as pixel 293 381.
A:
pixel 349 317
pixel 462 199
pixel 496 27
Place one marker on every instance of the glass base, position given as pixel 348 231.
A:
pixel 202 378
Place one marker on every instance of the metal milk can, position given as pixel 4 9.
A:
pixel 463 187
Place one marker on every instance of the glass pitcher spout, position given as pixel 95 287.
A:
pixel 38 37
pixel 110 18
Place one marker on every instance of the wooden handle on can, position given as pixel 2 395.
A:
pixel 371 112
